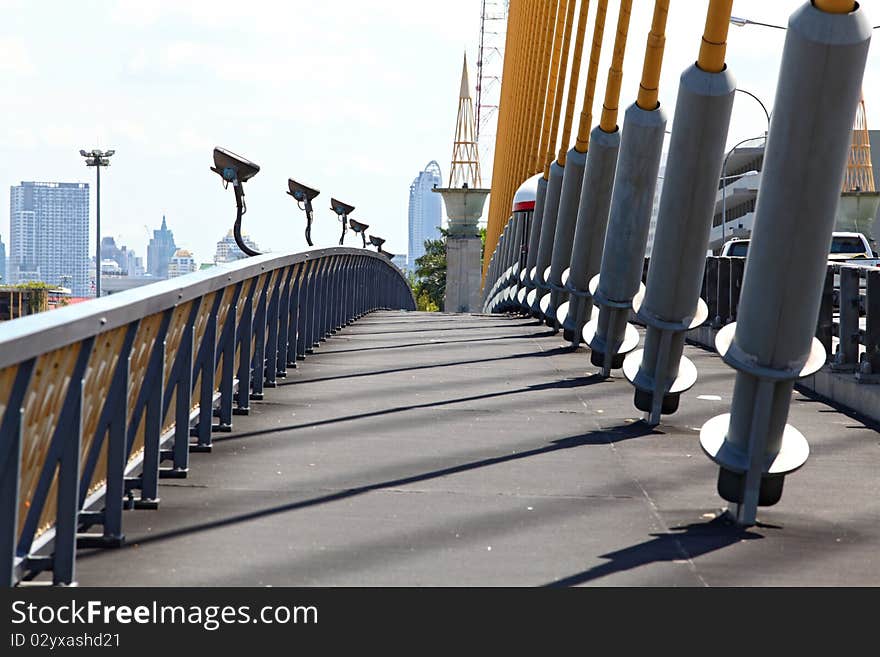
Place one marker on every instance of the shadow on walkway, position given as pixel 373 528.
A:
pixel 679 544
pixel 603 437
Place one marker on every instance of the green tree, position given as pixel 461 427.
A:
pixel 430 274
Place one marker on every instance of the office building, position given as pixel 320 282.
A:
pixel 160 250
pixel 228 251
pixel 48 235
pixel 182 263
pixel 425 212
pixel 3 277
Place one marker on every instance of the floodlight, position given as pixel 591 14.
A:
pixel 358 227
pixel 342 210
pixel 377 241
pixel 236 170
pixel 303 194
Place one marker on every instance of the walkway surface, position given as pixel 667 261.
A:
pixel 433 450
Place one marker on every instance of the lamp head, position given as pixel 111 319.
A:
pixel 301 192
pixel 231 167
pixel 340 208
pixel 357 226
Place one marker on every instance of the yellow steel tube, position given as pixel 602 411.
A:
pixel 573 81
pixel 538 118
pixel 835 6
pixel 649 88
pixel 582 143
pixel 714 45
pixel 504 136
pixel 527 92
pixel 560 84
pixel 608 122
pixel 551 88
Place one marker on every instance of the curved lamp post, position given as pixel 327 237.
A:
pixel 236 170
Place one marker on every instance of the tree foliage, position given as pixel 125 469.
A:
pixel 430 274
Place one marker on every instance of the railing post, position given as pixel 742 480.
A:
pixel 245 347
pixel 226 349
pixel 825 325
pixel 259 355
pixel 293 329
pixel 848 345
pixel 10 470
pixel 737 271
pixel 302 305
pixel 284 323
pixel 273 319
pixel 869 369
pixel 205 365
pixel 150 404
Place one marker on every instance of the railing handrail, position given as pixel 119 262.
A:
pixel 31 336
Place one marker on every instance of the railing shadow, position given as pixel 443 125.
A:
pixel 601 437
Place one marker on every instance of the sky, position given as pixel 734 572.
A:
pixel 351 97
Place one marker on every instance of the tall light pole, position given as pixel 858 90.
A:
pixel 98 159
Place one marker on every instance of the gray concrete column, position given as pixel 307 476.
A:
pixel 534 240
pixel 545 243
pixel 672 301
pixel 589 234
pixel 566 218
pixel 620 278
pixel 772 343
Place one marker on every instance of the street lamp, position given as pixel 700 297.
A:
pixel 98 159
pixel 724 177
pixel 742 22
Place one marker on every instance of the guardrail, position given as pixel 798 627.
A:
pixel 95 397
pixel 850 311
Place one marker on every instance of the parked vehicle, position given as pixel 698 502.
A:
pixel 851 248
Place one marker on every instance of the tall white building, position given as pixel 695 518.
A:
pixel 228 251
pixel 49 234
pixel 425 212
pixel 182 263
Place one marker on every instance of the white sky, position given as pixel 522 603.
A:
pixel 351 97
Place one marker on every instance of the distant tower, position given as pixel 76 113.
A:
pixel 465 169
pixel 425 212
pixel 490 65
pixel 859 201
pixel 464 199
pixel 859 172
pixel 160 251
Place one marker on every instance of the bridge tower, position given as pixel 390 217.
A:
pixel 859 198
pixel 464 198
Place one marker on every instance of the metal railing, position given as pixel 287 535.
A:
pixel 849 312
pixel 96 397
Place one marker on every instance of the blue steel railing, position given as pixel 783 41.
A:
pixel 100 400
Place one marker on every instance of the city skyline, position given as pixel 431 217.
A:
pixel 354 120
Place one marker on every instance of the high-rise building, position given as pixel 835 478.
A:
pixel 182 262
pixel 425 212
pixel 49 233
pixel 129 263
pixel 4 279
pixel 160 250
pixel 228 251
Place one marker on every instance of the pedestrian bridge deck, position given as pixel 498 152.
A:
pixel 427 449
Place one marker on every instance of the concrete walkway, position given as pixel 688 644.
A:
pixel 433 450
